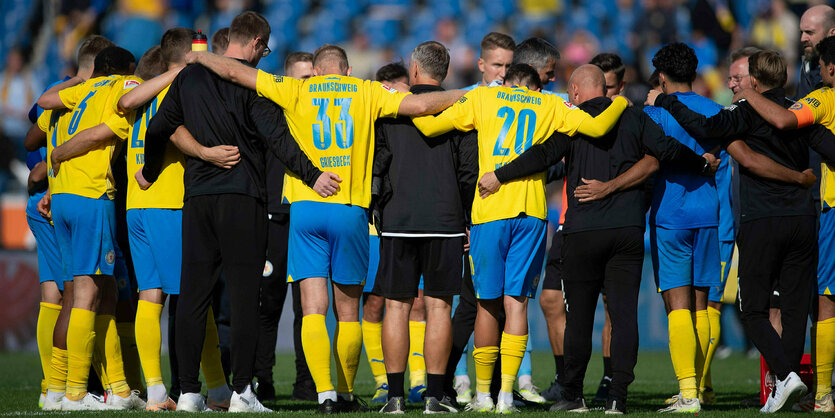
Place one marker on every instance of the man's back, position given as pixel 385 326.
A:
pixel 332 118
pixel 683 200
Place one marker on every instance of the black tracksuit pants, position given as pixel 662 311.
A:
pixel 592 260
pixel 780 253
pixel 228 232
pixel 273 294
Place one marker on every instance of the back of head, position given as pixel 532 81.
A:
pixel 113 60
pixel 743 52
pixel 610 62
pixel 589 80
pixel 248 26
pixel 151 64
pixel 535 52
pixel 330 59
pixel 496 40
pixel 391 72
pixel 175 43
pixel 677 62
pixel 432 59
pixel 654 81
pixel 826 50
pixel 294 57
pixel 522 75
pixel 768 68
pixel 220 41
pixel 89 48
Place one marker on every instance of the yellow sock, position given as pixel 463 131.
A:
pixel 417 364
pixel 58 370
pixel 81 338
pixel 149 340
pixel 372 340
pixel 210 360
pixel 702 325
pixel 683 351
pixel 825 356
pixel 317 351
pixel 512 350
pixel 130 355
pixel 347 344
pixel 47 317
pixel 106 327
pixel 714 316
pixel 100 365
pixel 485 361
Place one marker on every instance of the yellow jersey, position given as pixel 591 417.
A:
pixel 819 107
pixel 332 119
pixel 168 190
pixel 89 174
pixel 509 120
pixel 54 123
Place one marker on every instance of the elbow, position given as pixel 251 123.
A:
pixel 126 104
pixel 43 102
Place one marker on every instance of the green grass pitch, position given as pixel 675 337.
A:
pixel 735 378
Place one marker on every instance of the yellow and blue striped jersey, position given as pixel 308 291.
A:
pixel 509 120
pixel 88 174
pixel 819 107
pixel 167 191
pixel 332 119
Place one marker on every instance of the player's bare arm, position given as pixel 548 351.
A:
pixel 488 184
pixel 50 98
pixel 223 156
pixel 772 112
pixel 765 167
pixel 82 142
pixel 226 68
pixel 36 176
pixel 146 91
pixel 35 138
pixel 595 189
pixel 429 103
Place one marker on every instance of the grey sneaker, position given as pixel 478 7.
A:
pixel 396 405
pixel 433 405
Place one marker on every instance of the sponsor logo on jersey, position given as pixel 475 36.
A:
pixel 129 84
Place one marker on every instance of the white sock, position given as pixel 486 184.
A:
pixel 328 394
pixel 524 381
pixel 157 393
pixel 220 393
pixel 479 396
pixel 346 396
pixel 506 398
pixel 462 379
pixel 54 396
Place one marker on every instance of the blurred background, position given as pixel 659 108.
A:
pixel 38 40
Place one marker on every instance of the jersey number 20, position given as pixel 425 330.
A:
pixel 524 130
pixel 324 130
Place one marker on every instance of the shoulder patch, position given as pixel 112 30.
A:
pixel 129 84
pixel 388 89
pixel 462 99
pixel 796 106
pixel 568 105
pixel 278 79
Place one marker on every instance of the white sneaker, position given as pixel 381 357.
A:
pixel 50 405
pixel 131 402
pixel 484 405
pixel 246 402
pixel 89 402
pixel 825 404
pixel 462 390
pixel 191 402
pixel 505 408
pixel 683 406
pixel 530 393
pixel 785 393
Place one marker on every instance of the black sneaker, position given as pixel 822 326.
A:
pixel 327 407
pixel 602 390
pixel 434 406
pixel 305 392
pixel 615 407
pixel 354 405
pixel 553 393
pixel 395 405
pixel 575 405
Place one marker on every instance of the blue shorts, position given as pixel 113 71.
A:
pixel 156 244
pixel 826 256
pixel 685 257
pixel 86 233
pixel 120 273
pixel 507 256
pixel 726 254
pixel 328 240
pixel 373 262
pixel 50 268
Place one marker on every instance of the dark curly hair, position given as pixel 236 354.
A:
pixel 826 50
pixel 677 61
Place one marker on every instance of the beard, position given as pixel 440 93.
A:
pixel 810 54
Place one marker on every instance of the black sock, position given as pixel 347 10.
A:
pixel 395 381
pixel 607 367
pixel 559 361
pixel 435 385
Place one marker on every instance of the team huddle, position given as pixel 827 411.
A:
pixel 151 180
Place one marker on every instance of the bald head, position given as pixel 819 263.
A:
pixel 586 83
pixel 817 23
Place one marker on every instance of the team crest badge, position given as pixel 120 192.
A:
pixel 268 269
pixel 110 258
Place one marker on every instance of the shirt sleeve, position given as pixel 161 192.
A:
pixel 283 91
pixel 386 100
pixel 536 159
pixel 124 86
pixel 731 121
pixel 70 96
pixel 43 120
pixel 119 125
pixel 811 109
pixel 460 116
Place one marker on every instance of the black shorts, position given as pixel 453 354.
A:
pixel 403 260
pixel 553 269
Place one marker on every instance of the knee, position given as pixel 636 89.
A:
pixel 515 305
pixel 372 309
